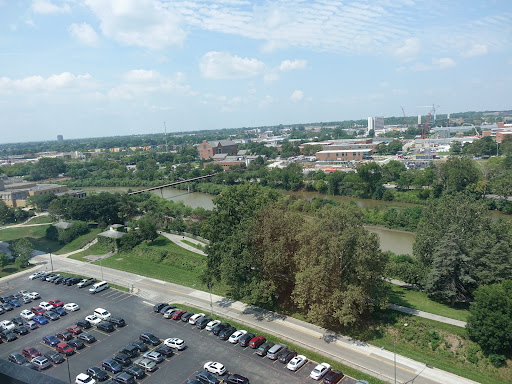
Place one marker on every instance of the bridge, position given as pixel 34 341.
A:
pixel 171 184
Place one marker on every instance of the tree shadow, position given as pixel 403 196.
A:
pixel 264 314
pixel 398 298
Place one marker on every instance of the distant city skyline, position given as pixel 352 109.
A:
pixel 94 68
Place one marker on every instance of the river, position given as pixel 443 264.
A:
pixel 390 240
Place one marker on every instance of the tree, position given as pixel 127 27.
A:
pixel 52 233
pixel 490 319
pixel 371 175
pixel 21 248
pixel 4 260
pixel 392 170
pixel 147 229
pixel 456 147
pixel 458 173
pixel 42 201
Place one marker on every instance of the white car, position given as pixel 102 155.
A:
pixel 71 307
pixel 212 324
pixel 193 319
pixel 45 305
pixel 93 319
pixel 33 295
pixel 23 292
pixel 320 371
pixel 7 325
pixel 175 343
pixel 103 314
pixel 169 312
pixel 233 339
pixel 36 275
pixel 215 367
pixel 27 315
pixel 297 362
pixel 82 378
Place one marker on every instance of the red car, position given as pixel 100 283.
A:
pixel 64 348
pixel 56 303
pixel 38 311
pixel 256 342
pixel 30 352
pixel 177 315
pixel 74 329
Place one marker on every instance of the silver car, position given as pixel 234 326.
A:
pixel 154 356
pixel 41 362
pixel 146 364
pixel 31 324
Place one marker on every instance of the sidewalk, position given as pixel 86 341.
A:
pixel 364 357
pixel 178 239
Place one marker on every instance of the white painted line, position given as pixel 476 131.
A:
pixel 145 302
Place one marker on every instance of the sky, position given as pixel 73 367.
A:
pixel 90 68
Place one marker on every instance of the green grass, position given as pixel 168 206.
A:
pixel 9 234
pixel 41 220
pixel 182 267
pixel 422 302
pixel 311 355
pixel 11 268
pixel 197 246
pixel 96 249
pixel 80 241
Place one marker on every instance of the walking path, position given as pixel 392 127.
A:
pixel 370 359
pixel 178 239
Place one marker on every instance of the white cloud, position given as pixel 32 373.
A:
pixel 270 77
pixel 46 7
pixel 443 63
pixel 408 49
pixel 290 65
pixel 84 33
pixel 297 96
pixel 223 65
pixel 384 84
pixel 145 23
pixel 266 101
pixel 62 82
pixel 476 50
pixel 437 64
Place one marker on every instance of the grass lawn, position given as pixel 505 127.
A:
pixel 96 249
pixel 34 234
pixel 420 301
pixel 197 246
pixel 41 219
pixel 180 267
pixel 80 241
pixel 9 269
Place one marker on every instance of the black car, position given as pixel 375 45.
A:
pixel 78 344
pixel 87 337
pixel 8 335
pixel 202 322
pixel 263 349
pixel 21 330
pixel 64 336
pixel 18 321
pixel 219 328
pixel 122 358
pixel 237 379
pixel 165 351
pixel 105 326
pixel 17 358
pixel 141 346
pixel 117 321
pixel 332 377
pixel 131 350
pixel 226 332
pixel 111 366
pixel 124 378
pixel 159 306
pixel 97 373
pixel 51 315
pixel 135 371
pixel 207 378
pixel 84 324
pixel 185 317
pixel 58 280
pixel 244 340
pixel 54 357
pixel 73 281
pixel 285 356
pixel 149 338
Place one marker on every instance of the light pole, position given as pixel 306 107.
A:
pixel 211 302
pixel 51 261
pixel 394 345
pixel 69 372
pixel 101 267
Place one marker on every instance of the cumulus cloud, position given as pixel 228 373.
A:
pixel 476 50
pixel 297 96
pixel 443 63
pixel 84 33
pixel 46 7
pixel 290 65
pixel 62 82
pixel 223 65
pixel 408 49
pixel 145 23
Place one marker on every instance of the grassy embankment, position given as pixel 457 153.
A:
pixel 197 246
pixel 46 219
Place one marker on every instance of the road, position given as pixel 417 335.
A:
pixel 365 357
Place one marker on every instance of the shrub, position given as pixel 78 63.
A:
pixel 497 360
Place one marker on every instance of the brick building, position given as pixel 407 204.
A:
pixel 344 154
pixel 208 149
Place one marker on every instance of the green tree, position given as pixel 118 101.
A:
pixel 47 168
pixel 147 229
pixel 458 173
pixel 52 233
pixel 371 176
pixel 392 170
pixel 42 201
pixel 456 148
pixel 490 319
pixel 21 248
pixel 4 260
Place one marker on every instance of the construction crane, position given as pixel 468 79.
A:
pixel 426 125
pixel 433 108
pixel 405 118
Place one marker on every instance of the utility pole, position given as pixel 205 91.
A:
pixel 394 345
pixel 51 261
pixel 211 302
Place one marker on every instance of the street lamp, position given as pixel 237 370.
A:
pixel 101 267
pixel 51 261
pixel 394 345
pixel 211 302
pixel 69 372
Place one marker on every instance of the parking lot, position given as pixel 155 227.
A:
pixel 202 346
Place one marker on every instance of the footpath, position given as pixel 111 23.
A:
pixel 364 357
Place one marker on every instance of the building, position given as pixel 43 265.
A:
pixel 375 123
pixel 226 161
pixel 208 149
pixel 344 155
pixel 503 135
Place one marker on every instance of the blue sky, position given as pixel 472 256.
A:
pixel 87 68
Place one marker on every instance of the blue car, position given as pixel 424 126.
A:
pixel 51 340
pixel 16 303
pixel 40 320
pixel 59 311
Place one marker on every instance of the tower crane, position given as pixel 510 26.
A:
pixel 405 118
pixel 426 125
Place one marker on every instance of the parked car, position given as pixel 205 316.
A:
pixel 51 315
pixel 30 352
pixel 131 350
pixel 105 326
pixel 21 330
pixel 58 280
pixel 82 378
pixel 45 305
pixel 219 327
pixel 74 329
pixel 201 323
pixel 159 306
pixel 8 336
pixel 212 324
pixel 149 338
pixel 85 282
pixel 333 377
pixel 36 275
pixel 56 303
pixel 153 356
pixel 275 350
pixel 263 348
pixel 59 311
pixel 111 365
pixel 207 378
pixel 186 316
pixel 226 333
pixel 124 378
pixel 7 306
pixel 65 349
pixel 27 315
pixel 117 321
pixel 233 339
pixel 7 325
pixel 165 308
pixel 15 302
pixel 17 320
pixel 41 362
pixel 97 373
pixel 84 324
pixel 165 351
pixel 26 300
pixel 320 371
pixel 34 295
pixel 177 315
pixel 237 379
pixel 141 346
pixel 93 319
pixel 215 367
pixel 146 364
pixel 71 307
pixel 297 362
pixel 31 324
pixel 41 320
pixel 54 357
pixel 122 358
pixel 77 344
pixel 17 358
pixel 175 343
pixel 245 339
pixel 256 341
pixel 51 340
pixel 285 356
pixel 193 319
pixel 103 314
pixel 65 335
pixel 136 371
pixel 87 337
pixel 168 314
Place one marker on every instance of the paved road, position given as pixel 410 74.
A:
pixel 178 239
pixel 364 357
